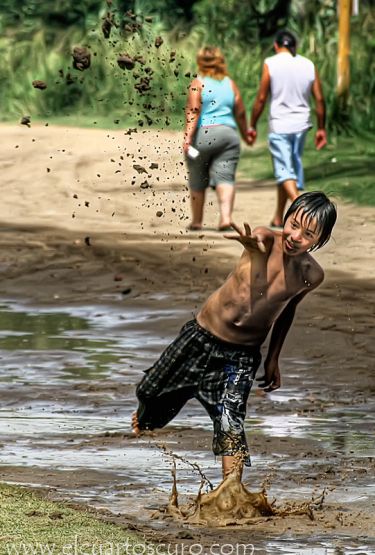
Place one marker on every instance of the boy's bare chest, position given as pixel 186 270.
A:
pixel 269 280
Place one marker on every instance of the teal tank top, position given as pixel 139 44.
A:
pixel 217 102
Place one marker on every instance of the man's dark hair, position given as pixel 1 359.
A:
pixel 315 205
pixel 286 39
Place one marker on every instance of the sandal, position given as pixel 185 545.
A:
pixel 225 228
pixel 272 224
pixel 194 227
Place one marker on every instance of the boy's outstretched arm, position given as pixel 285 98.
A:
pixel 256 241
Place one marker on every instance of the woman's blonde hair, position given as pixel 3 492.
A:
pixel 211 63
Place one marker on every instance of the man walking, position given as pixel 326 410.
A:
pixel 289 79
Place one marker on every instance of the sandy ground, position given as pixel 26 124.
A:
pixel 80 224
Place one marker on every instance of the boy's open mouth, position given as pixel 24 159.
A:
pixel 289 247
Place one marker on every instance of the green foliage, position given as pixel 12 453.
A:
pixel 59 13
pixel 344 169
pixel 38 38
pixel 244 23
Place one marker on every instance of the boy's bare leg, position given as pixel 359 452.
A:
pixel 285 191
pixel 135 424
pixel 197 203
pixel 225 194
pixel 229 463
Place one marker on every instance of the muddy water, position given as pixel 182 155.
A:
pixel 67 392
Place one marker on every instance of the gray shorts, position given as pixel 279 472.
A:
pixel 219 152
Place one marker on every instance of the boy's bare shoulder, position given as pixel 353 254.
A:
pixel 314 273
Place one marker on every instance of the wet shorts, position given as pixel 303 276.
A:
pixel 219 152
pixel 218 374
pixel 286 151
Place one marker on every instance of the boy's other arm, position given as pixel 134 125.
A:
pixel 281 327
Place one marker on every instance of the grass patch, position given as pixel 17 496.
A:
pixel 344 169
pixel 30 522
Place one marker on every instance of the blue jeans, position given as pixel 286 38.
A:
pixel 286 151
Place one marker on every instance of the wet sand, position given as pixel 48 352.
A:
pixel 76 233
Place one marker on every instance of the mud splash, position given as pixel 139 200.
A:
pixel 230 503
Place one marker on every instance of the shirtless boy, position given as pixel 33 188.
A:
pixel 216 356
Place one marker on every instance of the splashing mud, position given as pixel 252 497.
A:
pixel 230 503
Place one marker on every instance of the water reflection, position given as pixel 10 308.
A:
pixel 68 375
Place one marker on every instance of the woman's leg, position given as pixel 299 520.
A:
pixel 197 204
pixel 223 170
pixel 225 194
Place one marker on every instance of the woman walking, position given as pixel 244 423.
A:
pixel 214 114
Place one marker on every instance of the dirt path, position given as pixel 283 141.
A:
pixel 84 215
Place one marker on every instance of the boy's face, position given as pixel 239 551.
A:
pixel 299 234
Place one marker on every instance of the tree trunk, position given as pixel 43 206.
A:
pixel 343 67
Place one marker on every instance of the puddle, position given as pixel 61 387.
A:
pixel 67 379
pixel 346 432
pixel 285 548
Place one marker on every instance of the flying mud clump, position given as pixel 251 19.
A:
pixel 38 84
pixel 26 120
pixel 108 23
pixel 158 42
pixel 81 58
pixel 124 61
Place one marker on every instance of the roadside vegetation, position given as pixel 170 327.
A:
pixel 31 524
pixel 37 40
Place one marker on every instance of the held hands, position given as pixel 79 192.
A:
pixel 320 139
pixel 251 136
pixel 271 379
pixel 251 242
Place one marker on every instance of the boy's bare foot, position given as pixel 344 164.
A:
pixel 135 424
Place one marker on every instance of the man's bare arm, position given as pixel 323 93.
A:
pixel 260 102
pixel 320 108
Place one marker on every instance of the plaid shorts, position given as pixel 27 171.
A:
pixel 218 374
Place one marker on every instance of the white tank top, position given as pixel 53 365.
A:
pixel 291 80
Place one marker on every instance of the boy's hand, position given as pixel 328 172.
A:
pixel 251 242
pixel 271 379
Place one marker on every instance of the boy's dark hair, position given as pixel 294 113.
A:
pixel 316 205
pixel 287 40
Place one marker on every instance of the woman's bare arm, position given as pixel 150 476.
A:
pixel 192 112
pixel 240 112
